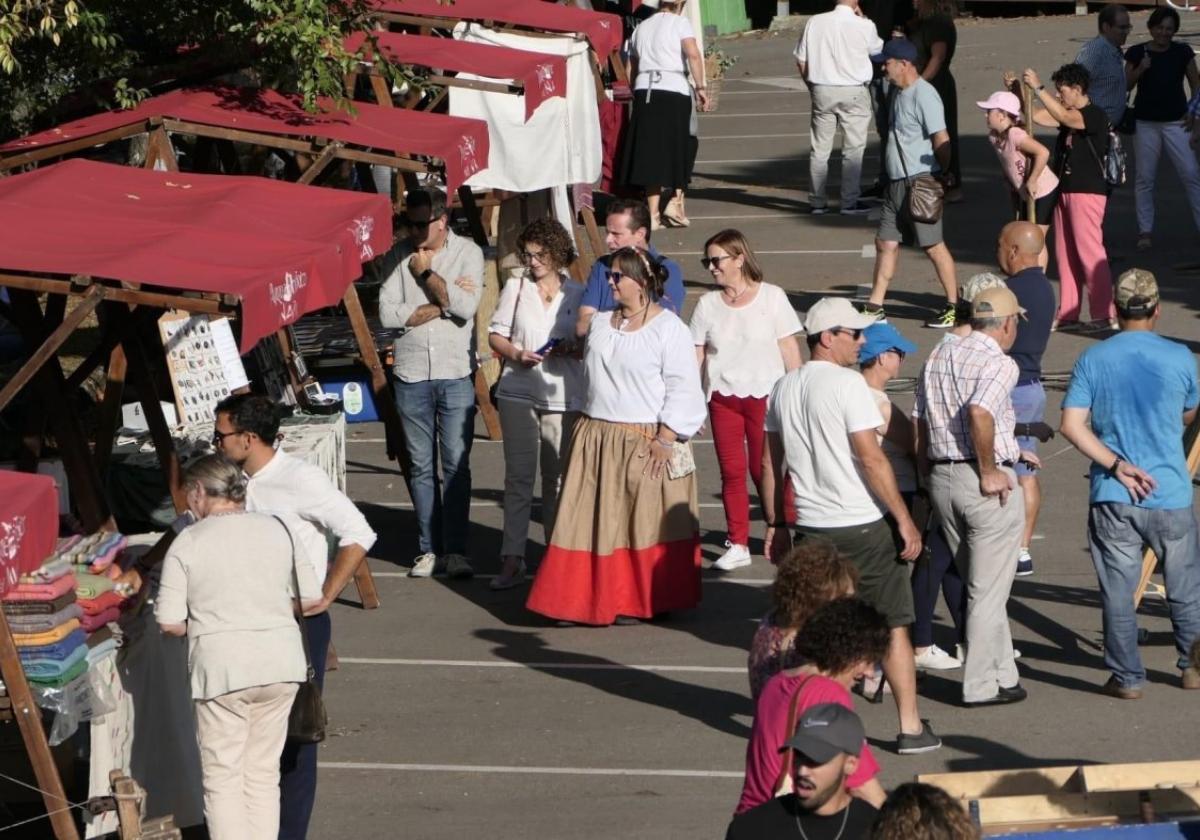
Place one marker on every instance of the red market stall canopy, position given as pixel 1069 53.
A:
pixel 28 524
pixel 602 30
pixel 460 144
pixel 279 249
pixel 540 75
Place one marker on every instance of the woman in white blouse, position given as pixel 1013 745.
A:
pixel 541 387
pixel 745 337
pixel 227 584
pixel 628 547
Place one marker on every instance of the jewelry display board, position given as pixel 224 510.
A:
pixel 203 361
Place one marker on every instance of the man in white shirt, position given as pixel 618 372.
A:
pixel 245 430
pixel 821 422
pixel 834 58
pixel 431 293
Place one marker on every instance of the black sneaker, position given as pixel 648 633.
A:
pixel 855 209
pixel 1024 563
pixel 944 320
pixel 814 210
pixel 924 742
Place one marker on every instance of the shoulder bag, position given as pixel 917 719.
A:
pixel 783 782
pixel 512 329
pixel 1113 164
pixel 308 719
pixel 925 193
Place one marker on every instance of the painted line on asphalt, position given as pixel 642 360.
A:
pixel 544 666
pixel 533 771
pixel 796 215
pixel 721 579
pixel 770 114
pixel 725 93
pixel 855 251
pixel 700 442
pixel 751 160
pixel 752 136
pixel 489 503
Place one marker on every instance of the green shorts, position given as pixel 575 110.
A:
pixel 883 576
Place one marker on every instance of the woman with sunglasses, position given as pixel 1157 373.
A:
pixel 541 384
pixel 745 338
pixel 629 548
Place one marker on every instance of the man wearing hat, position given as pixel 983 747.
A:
pixel 879 360
pixel 1139 391
pixel 825 749
pixel 965 439
pixel 821 425
pixel 918 144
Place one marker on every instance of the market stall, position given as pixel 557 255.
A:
pixel 133 242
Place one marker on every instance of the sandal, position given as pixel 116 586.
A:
pixel 673 215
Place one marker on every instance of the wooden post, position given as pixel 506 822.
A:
pixel 160 431
pixel 29 721
pixel 48 348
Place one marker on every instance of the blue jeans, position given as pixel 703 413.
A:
pixel 1117 535
pixel 438 418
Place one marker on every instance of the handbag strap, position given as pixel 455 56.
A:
pixel 893 92
pixel 299 608
pixel 512 322
pixel 785 769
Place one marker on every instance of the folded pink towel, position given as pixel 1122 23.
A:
pixel 95 622
pixel 42 591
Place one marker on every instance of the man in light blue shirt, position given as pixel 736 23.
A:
pixel 626 225
pixel 1140 391
pixel 1106 64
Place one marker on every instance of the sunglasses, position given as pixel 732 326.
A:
pixel 615 277
pixel 854 334
pixel 713 262
pixel 420 223
pixel 219 437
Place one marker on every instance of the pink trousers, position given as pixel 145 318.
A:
pixel 1082 261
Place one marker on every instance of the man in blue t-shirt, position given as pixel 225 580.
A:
pixel 1018 254
pixel 627 225
pixel 1141 391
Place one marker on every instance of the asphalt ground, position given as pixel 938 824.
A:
pixel 456 712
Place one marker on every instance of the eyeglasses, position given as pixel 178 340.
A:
pixel 530 256
pixel 714 262
pixel 420 223
pixel 614 277
pixel 219 437
pixel 854 334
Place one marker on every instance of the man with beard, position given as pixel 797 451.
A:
pixel 825 749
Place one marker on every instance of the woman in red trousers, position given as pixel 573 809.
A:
pixel 745 337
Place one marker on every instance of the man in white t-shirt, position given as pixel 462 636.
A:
pixel 821 422
pixel 834 59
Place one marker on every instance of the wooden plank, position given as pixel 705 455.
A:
pixel 991 783
pixel 29 721
pixel 1151 774
pixel 46 285
pixel 164 151
pixel 320 164
pixel 474 220
pixel 50 346
pixel 59 149
pixel 1065 809
pixel 110 408
pixel 160 431
pixel 483 398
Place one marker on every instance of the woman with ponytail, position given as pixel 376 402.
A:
pixel 626 542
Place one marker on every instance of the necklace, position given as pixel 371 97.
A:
pixel 735 298
pixel 625 321
pixel 838 836
pixel 226 513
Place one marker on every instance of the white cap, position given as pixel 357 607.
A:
pixel 831 312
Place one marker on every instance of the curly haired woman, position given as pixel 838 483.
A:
pixel 917 811
pixel 810 575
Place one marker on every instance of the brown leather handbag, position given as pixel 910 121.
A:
pixel 308 718
pixel 925 193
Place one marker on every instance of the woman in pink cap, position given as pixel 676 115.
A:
pixel 1024 161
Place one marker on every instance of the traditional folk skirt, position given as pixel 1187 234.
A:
pixel 624 543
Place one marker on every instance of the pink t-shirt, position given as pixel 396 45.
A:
pixel 1014 162
pixel 763 759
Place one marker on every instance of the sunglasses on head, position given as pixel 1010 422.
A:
pixel 714 262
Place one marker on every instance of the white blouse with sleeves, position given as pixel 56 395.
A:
pixel 645 376
pixel 557 383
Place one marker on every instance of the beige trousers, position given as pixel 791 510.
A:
pixel 241 737
pixel 531 436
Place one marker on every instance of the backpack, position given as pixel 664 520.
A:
pixel 1113 164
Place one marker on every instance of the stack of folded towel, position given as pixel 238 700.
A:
pixel 94 560
pixel 45 622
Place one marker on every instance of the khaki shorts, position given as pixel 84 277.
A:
pixel 883 576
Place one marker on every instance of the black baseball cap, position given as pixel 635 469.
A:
pixel 825 731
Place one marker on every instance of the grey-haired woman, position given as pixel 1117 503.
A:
pixel 227 585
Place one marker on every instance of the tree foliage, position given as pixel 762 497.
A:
pixel 61 57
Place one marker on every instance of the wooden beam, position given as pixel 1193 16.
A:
pixel 65 148
pixel 50 346
pixel 474 220
pixel 483 398
pixel 46 285
pixel 992 783
pixel 29 721
pixel 400 163
pixel 163 151
pixel 110 408
pixel 320 163
pixel 160 431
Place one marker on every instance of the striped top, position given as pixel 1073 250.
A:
pixel 1106 69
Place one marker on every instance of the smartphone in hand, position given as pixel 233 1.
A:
pixel 548 346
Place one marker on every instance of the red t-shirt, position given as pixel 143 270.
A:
pixel 763 758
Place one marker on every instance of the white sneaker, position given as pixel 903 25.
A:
pixel 735 557
pixel 933 658
pixel 425 566
pixel 458 567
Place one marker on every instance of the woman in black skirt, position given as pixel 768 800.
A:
pixel 663 50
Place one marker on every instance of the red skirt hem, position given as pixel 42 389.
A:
pixel 588 588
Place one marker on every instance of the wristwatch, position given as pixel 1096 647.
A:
pixel 425 275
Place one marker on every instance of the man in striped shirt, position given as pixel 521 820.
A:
pixel 1105 62
pixel 966 446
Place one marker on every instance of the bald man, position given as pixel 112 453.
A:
pixel 1018 254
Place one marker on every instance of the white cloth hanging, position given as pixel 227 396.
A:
pixel 560 144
